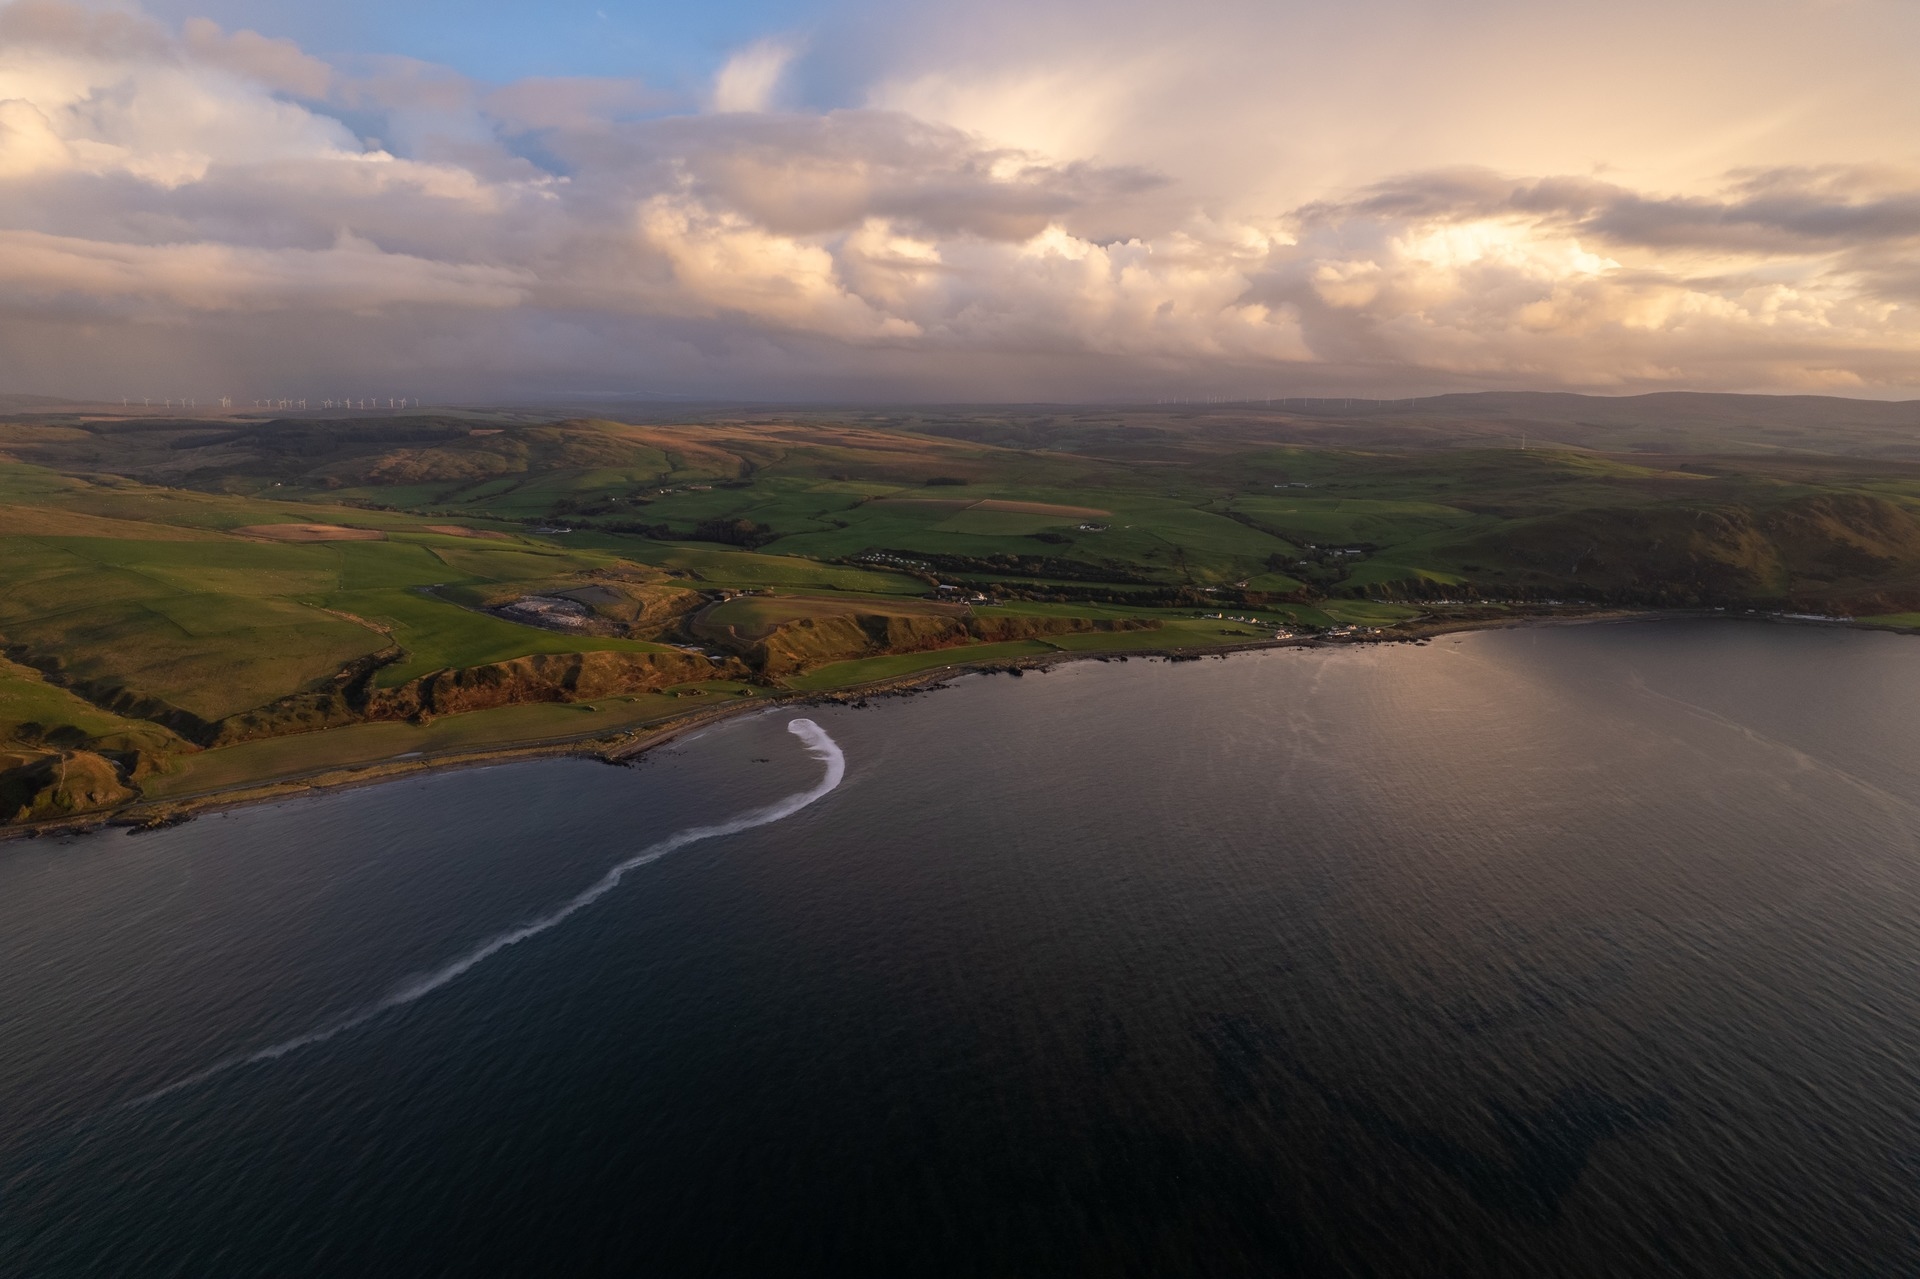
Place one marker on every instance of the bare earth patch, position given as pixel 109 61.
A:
pixel 311 533
pixel 554 612
pixel 929 503
pixel 461 530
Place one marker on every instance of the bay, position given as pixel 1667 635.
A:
pixel 1573 950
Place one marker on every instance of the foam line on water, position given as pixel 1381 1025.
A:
pixel 818 744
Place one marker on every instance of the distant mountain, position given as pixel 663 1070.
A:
pixel 1672 422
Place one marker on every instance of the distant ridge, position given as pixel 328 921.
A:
pixel 1659 422
pixel 1667 407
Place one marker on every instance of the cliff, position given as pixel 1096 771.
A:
pixel 546 677
pixel 815 641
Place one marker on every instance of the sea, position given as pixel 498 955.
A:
pixel 1569 950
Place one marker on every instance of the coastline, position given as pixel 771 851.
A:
pixel 625 746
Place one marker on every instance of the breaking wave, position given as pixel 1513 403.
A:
pixel 818 744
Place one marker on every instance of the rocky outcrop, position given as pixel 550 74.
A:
pixel 814 641
pixel 632 609
pixel 545 677
pixel 65 784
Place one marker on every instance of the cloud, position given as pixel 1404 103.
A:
pixel 1146 206
pixel 40 272
pixel 820 174
pixel 105 93
pixel 724 262
pixel 75 30
pixel 275 64
pixel 1776 210
pixel 1786 280
pixel 749 78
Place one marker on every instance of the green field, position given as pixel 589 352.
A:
pixel 869 669
pixel 754 616
pixel 437 635
pixel 35 714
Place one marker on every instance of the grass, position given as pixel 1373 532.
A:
pixel 1345 521
pixel 1369 612
pixel 363 744
pixel 753 616
pixel 892 666
pixel 212 655
pixel 27 700
pixel 438 635
pixel 1378 573
pixel 1184 633
pixel 999 523
pixel 218 625
pixel 747 570
pixel 1272 615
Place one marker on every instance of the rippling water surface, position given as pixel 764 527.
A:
pixel 1589 950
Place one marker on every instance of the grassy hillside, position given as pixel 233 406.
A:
pixel 176 593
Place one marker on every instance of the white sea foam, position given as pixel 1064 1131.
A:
pixel 819 745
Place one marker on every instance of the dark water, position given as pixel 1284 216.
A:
pixel 1579 951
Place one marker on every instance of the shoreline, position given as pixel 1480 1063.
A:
pixel 144 815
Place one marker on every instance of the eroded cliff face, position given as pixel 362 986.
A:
pixel 567 677
pixel 816 641
pixel 546 677
pixel 47 783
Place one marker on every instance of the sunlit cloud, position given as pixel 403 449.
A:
pixel 49 272
pixel 1027 227
pixel 749 78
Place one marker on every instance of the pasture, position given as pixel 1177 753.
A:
pixel 867 670
pixel 756 616
pixel 216 623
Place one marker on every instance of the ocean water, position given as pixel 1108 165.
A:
pixel 1584 950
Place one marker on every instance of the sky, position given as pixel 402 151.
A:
pixel 1002 200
